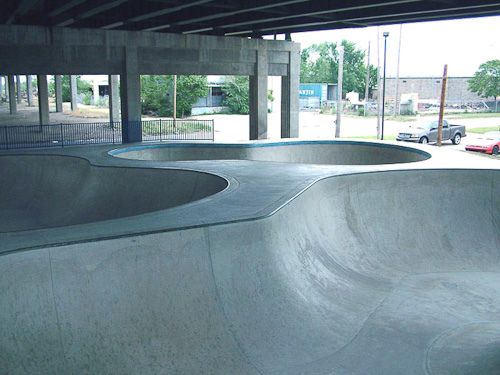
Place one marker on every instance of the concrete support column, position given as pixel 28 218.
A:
pixel 12 95
pixel 43 99
pixel 18 88
pixel 95 91
pixel 290 97
pixel 258 97
pixel 130 97
pixel 73 92
pixel 114 98
pixel 58 91
pixel 29 91
pixel 1 87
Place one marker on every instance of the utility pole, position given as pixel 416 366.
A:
pixel 367 85
pixel 397 108
pixel 175 98
pixel 379 91
pixel 386 34
pixel 339 91
pixel 441 106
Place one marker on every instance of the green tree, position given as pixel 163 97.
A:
pixel 189 89
pixel 82 87
pixel 486 81
pixel 319 64
pixel 157 93
pixel 235 91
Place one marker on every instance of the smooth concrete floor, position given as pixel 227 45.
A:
pixel 293 268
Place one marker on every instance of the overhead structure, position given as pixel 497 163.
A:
pixel 239 18
pixel 130 38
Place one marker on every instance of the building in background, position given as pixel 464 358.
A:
pixel 314 96
pixel 428 90
pixel 214 101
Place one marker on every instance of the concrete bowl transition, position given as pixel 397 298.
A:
pixel 293 268
pixel 313 152
pixel 51 191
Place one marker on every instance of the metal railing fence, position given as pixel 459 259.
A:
pixel 70 134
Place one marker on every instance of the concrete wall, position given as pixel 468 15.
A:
pixel 39 50
pixel 457 89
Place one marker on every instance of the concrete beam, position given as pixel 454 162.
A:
pixel 12 95
pixel 130 97
pixel 18 88
pixel 43 100
pixel 58 92
pixel 114 98
pixel 290 98
pixel 69 51
pixel 258 98
pixel 29 91
pixel 73 88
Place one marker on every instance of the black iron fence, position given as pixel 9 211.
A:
pixel 61 135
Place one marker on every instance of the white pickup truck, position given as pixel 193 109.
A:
pixel 427 133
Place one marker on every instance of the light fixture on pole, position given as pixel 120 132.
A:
pixel 386 34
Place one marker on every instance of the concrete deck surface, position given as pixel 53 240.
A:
pixel 293 269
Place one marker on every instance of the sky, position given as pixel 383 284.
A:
pixel 425 46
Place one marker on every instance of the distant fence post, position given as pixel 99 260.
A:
pixel 62 135
pixel 6 138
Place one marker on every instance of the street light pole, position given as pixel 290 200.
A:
pixel 386 34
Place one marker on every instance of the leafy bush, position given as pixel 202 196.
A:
pixel 157 93
pixel 235 90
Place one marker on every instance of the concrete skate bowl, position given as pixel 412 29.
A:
pixel 310 152
pixel 41 191
pixel 380 273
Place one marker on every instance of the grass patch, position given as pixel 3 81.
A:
pixel 372 137
pixel 166 127
pixel 483 129
pixel 473 115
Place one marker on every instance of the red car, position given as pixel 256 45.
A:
pixel 488 143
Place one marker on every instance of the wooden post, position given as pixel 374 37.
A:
pixel 441 107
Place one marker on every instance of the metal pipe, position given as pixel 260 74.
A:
pixel 339 91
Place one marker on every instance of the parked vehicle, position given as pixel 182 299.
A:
pixel 428 133
pixel 488 143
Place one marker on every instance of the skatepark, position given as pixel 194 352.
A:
pixel 267 257
pixel 331 268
